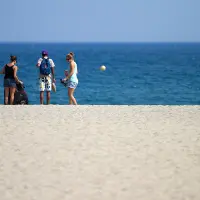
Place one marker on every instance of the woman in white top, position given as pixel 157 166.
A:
pixel 72 78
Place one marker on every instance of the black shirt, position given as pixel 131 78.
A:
pixel 9 72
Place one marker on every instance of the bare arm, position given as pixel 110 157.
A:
pixel 15 74
pixel 2 70
pixel 39 63
pixel 53 72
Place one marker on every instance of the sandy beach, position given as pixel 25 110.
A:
pixel 99 152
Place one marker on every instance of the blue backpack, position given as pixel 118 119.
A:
pixel 45 67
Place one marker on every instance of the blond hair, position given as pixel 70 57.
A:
pixel 70 55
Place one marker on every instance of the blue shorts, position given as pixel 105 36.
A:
pixel 71 84
pixel 9 82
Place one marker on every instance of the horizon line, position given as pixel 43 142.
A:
pixel 96 42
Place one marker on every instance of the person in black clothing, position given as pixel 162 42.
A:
pixel 10 79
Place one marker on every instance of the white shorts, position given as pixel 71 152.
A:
pixel 45 84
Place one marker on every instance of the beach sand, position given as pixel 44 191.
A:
pixel 99 152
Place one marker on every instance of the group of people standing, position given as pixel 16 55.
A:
pixel 47 79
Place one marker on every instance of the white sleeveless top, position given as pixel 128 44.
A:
pixel 74 78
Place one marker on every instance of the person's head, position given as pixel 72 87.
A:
pixel 70 57
pixel 44 53
pixel 13 59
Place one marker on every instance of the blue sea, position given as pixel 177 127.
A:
pixel 136 73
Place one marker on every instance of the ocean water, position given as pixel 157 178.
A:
pixel 136 74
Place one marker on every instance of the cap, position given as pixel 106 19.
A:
pixel 44 52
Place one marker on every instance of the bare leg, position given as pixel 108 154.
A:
pixel 72 99
pixel 41 97
pixel 48 97
pixel 12 95
pixel 6 95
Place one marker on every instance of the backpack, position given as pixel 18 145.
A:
pixel 45 67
